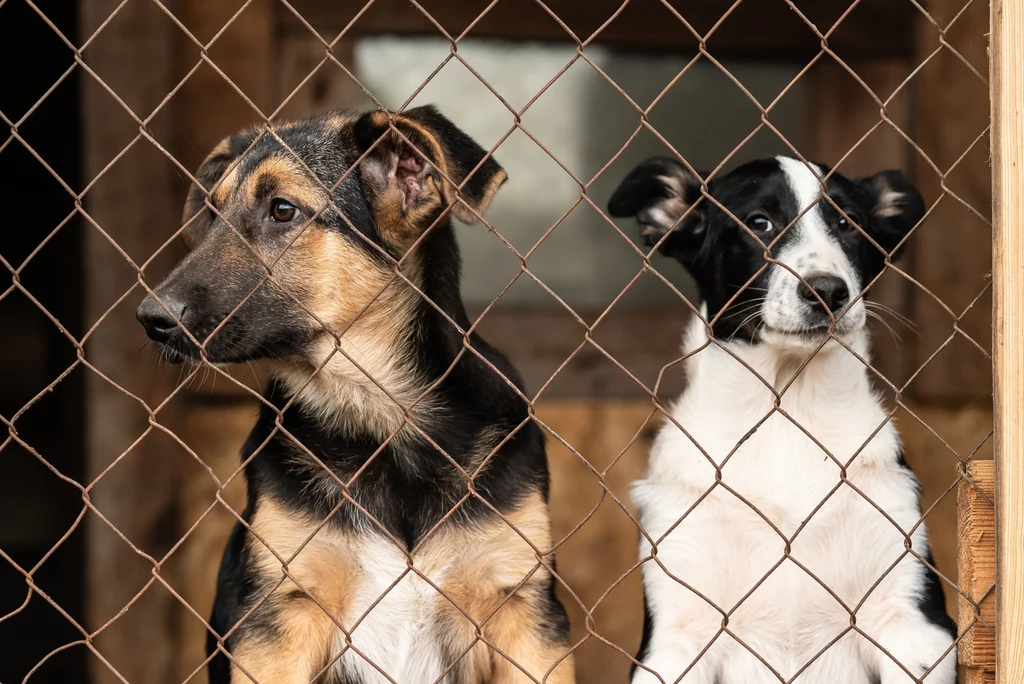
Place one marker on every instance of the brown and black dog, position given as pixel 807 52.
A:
pixel 397 527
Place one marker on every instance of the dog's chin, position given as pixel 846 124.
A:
pixel 809 335
pixel 176 356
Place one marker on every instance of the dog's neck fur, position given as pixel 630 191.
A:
pixel 360 386
pixel 721 375
pixel 776 421
pixel 381 379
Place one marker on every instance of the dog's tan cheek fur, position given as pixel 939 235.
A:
pixel 337 281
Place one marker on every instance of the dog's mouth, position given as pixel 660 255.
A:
pixel 169 354
pixel 813 333
pixel 180 350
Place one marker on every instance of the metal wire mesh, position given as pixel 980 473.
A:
pixel 144 120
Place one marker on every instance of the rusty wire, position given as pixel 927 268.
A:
pixel 658 410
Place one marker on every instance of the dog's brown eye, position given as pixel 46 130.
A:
pixel 847 224
pixel 282 211
pixel 759 223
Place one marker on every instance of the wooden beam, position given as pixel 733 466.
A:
pixel 976 551
pixel 1007 78
pixel 538 342
pixel 763 29
pixel 301 54
pixel 132 203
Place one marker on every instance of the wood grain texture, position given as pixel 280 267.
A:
pixel 132 203
pixel 951 247
pixel 976 553
pixel 1007 76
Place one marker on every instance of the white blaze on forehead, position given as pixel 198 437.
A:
pixel 811 235
pixel 811 249
pixel 803 181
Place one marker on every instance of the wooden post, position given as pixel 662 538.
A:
pixel 1007 82
pixel 132 203
pixel 976 551
pixel 950 250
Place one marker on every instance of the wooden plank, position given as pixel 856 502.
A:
pixel 208 107
pixel 216 433
pixel 1007 76
pixel 599 431
pixel 132 204
pixel 841 112
pixel 952 247
pixel 762 30
pixel 976 551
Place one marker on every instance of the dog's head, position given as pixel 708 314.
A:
pixel 283 256
pixel 820 257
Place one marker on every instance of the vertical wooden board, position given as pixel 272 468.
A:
pixel 963 429
pixel 841 114
pixel 976 552
pixel 605 546
pixel 134 204
pixel 208 106
pixel 952 247
pixel 1007 75
pixel 216 433
pixel 306 84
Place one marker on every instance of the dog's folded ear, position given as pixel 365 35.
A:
pixel 896 207
pixel 660 193
pixel 196 217
pixel 420 166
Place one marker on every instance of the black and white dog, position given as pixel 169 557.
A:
pixel 777 497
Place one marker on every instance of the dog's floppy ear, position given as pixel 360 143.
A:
pixel 196 217
pixel 896 207
pixel 421 167
pixel 660 192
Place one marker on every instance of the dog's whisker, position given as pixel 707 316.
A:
pixel 874 316
pixel 892 312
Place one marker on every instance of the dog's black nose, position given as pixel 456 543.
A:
pixel 830 289
pixel 160 323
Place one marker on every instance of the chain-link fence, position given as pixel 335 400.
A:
pixel 883 85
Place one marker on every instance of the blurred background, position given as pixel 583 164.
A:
pixel 107 103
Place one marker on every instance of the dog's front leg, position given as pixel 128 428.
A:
pixel 532 647
pixel 904 617
pixel 287 643
pixel 918 650
pixel 677 661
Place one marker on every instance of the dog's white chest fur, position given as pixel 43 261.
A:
pixel 721 548
pixel 393 619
